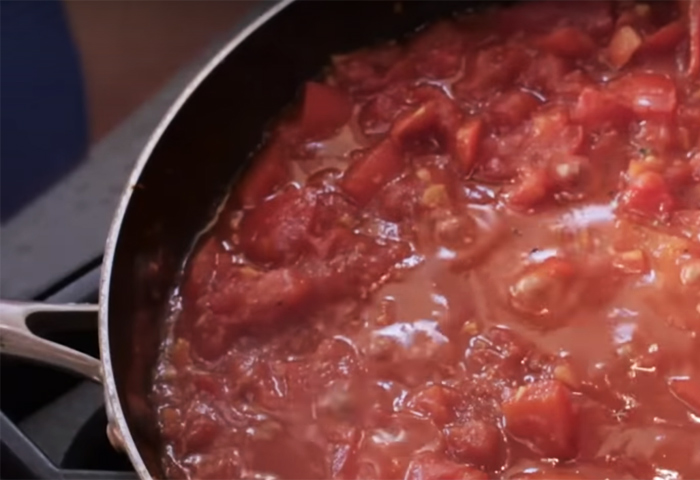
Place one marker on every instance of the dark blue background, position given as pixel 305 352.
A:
pixel 43 119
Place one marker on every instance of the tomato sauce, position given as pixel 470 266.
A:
pixel 471 254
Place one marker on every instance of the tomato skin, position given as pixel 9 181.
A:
pixel 664 39
pixel 475 442
pixel 693 9
pixel 648 95
pixel 648 195
pixel 567 42
pixel 364 178
pixel 267 173
pixel 687 390
pixel 543 415
pixel 325 110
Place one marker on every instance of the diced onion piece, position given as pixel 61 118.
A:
pixel 690 273
pixel 623 46
pixel 466 143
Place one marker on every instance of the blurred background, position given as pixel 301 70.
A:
pixel 83 84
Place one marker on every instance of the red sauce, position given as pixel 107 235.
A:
pixel 474 254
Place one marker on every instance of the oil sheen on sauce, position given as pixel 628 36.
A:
pixel 474 254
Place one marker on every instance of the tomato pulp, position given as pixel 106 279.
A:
pixel 471 254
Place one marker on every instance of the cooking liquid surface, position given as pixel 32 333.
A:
pixel 472 255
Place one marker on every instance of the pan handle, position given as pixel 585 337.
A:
pixel 18 339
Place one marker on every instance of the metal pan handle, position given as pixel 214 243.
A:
pixel 18 339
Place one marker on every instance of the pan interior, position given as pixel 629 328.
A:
pixel 202 151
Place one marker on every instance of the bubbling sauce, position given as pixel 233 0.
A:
pixel 473 254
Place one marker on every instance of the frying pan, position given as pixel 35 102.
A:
pixel 187 167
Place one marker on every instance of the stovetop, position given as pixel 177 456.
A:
pixel 52 423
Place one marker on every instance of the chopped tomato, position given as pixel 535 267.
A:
pixel 365 70
pixel 539 16
pixel 547 73
pixel 436 402
pixel 599 108
pixel 494 67
pixel 466 143
pixel 693 11
pixel 421 120
pixel 542 415
pixel 267 173
pixel 261 298
pixel 552 133
pixel 367 175
pixel 660 135
pixel 648 195
pixel 438 50
pixel 687 390
pixel 647 94
pixel 623 46
pixel 428 466
pixel 567 42
pixel 276 231
pixel 435 120
pixel 687 222
pixel 325 110
pixel 475 442
pixel 376 116
pixel 665 38
pixel 513 107
pixel 533 188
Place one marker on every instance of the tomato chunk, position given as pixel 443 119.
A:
pixel 325 110
pixel 436 402
pixel 369 174
pixel 693 9
pixel 567 42
pixel 665 39
pixel 598 108
pixel 438 50
pixel 261 299
pixel 475 442
pixel 514 107
pixel 429 466
pixel 542 415
pixel 494 68
pixel 648 195
pixel 647 94
pixel 276 231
